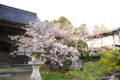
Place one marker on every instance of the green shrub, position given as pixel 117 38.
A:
pixel 109 60
pixel 102 53
pixel 83 50
pixel 76 73
pixel 99 53
pixel 77 70
pixel 54 76
pixel 88 72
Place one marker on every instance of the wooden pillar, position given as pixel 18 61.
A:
pixel 113 42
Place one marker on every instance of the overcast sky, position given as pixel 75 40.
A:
pixel 90 12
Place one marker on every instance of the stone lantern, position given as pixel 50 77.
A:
pixel 36 64
pixel 77 63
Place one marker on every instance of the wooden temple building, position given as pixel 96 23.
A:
pixel 108 40
pixel 11 20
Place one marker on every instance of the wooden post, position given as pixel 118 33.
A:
pixel 113 42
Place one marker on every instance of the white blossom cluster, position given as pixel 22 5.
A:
pixel 64 31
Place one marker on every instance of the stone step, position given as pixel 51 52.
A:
pixel 14 74
pixel 5 76
pixel 5 65
pixel 5 61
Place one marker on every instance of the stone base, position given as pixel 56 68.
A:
pixel 72 68
pixel 35 74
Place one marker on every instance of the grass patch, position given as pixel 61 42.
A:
pixel 55 76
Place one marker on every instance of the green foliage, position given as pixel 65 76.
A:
pixel 88 72
pixel 108 63
pixel 83 50
pixel 101 53
pixel 77 70
pixel 53 76
pixel 46 22
pixel 76 73
pixel 110 57
pixel 109 60
pixel 62 20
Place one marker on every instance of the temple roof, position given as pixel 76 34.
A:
pixel 16 15
pixel 109 32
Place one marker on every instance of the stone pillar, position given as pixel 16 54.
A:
pixel 36 74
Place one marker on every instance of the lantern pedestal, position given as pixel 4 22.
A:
pixel 35 74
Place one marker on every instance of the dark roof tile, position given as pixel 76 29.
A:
pixel 16 15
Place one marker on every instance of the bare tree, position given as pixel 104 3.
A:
pixel 100 29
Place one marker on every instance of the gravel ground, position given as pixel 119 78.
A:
pixel 28 78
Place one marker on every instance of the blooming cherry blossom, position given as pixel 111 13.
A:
pixel 43 36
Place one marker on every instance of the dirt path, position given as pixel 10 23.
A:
pixel 11 69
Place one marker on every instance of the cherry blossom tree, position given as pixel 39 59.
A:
pixel 43 36
pixel 37 34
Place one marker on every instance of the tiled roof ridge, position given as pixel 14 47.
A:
pixel 20 10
